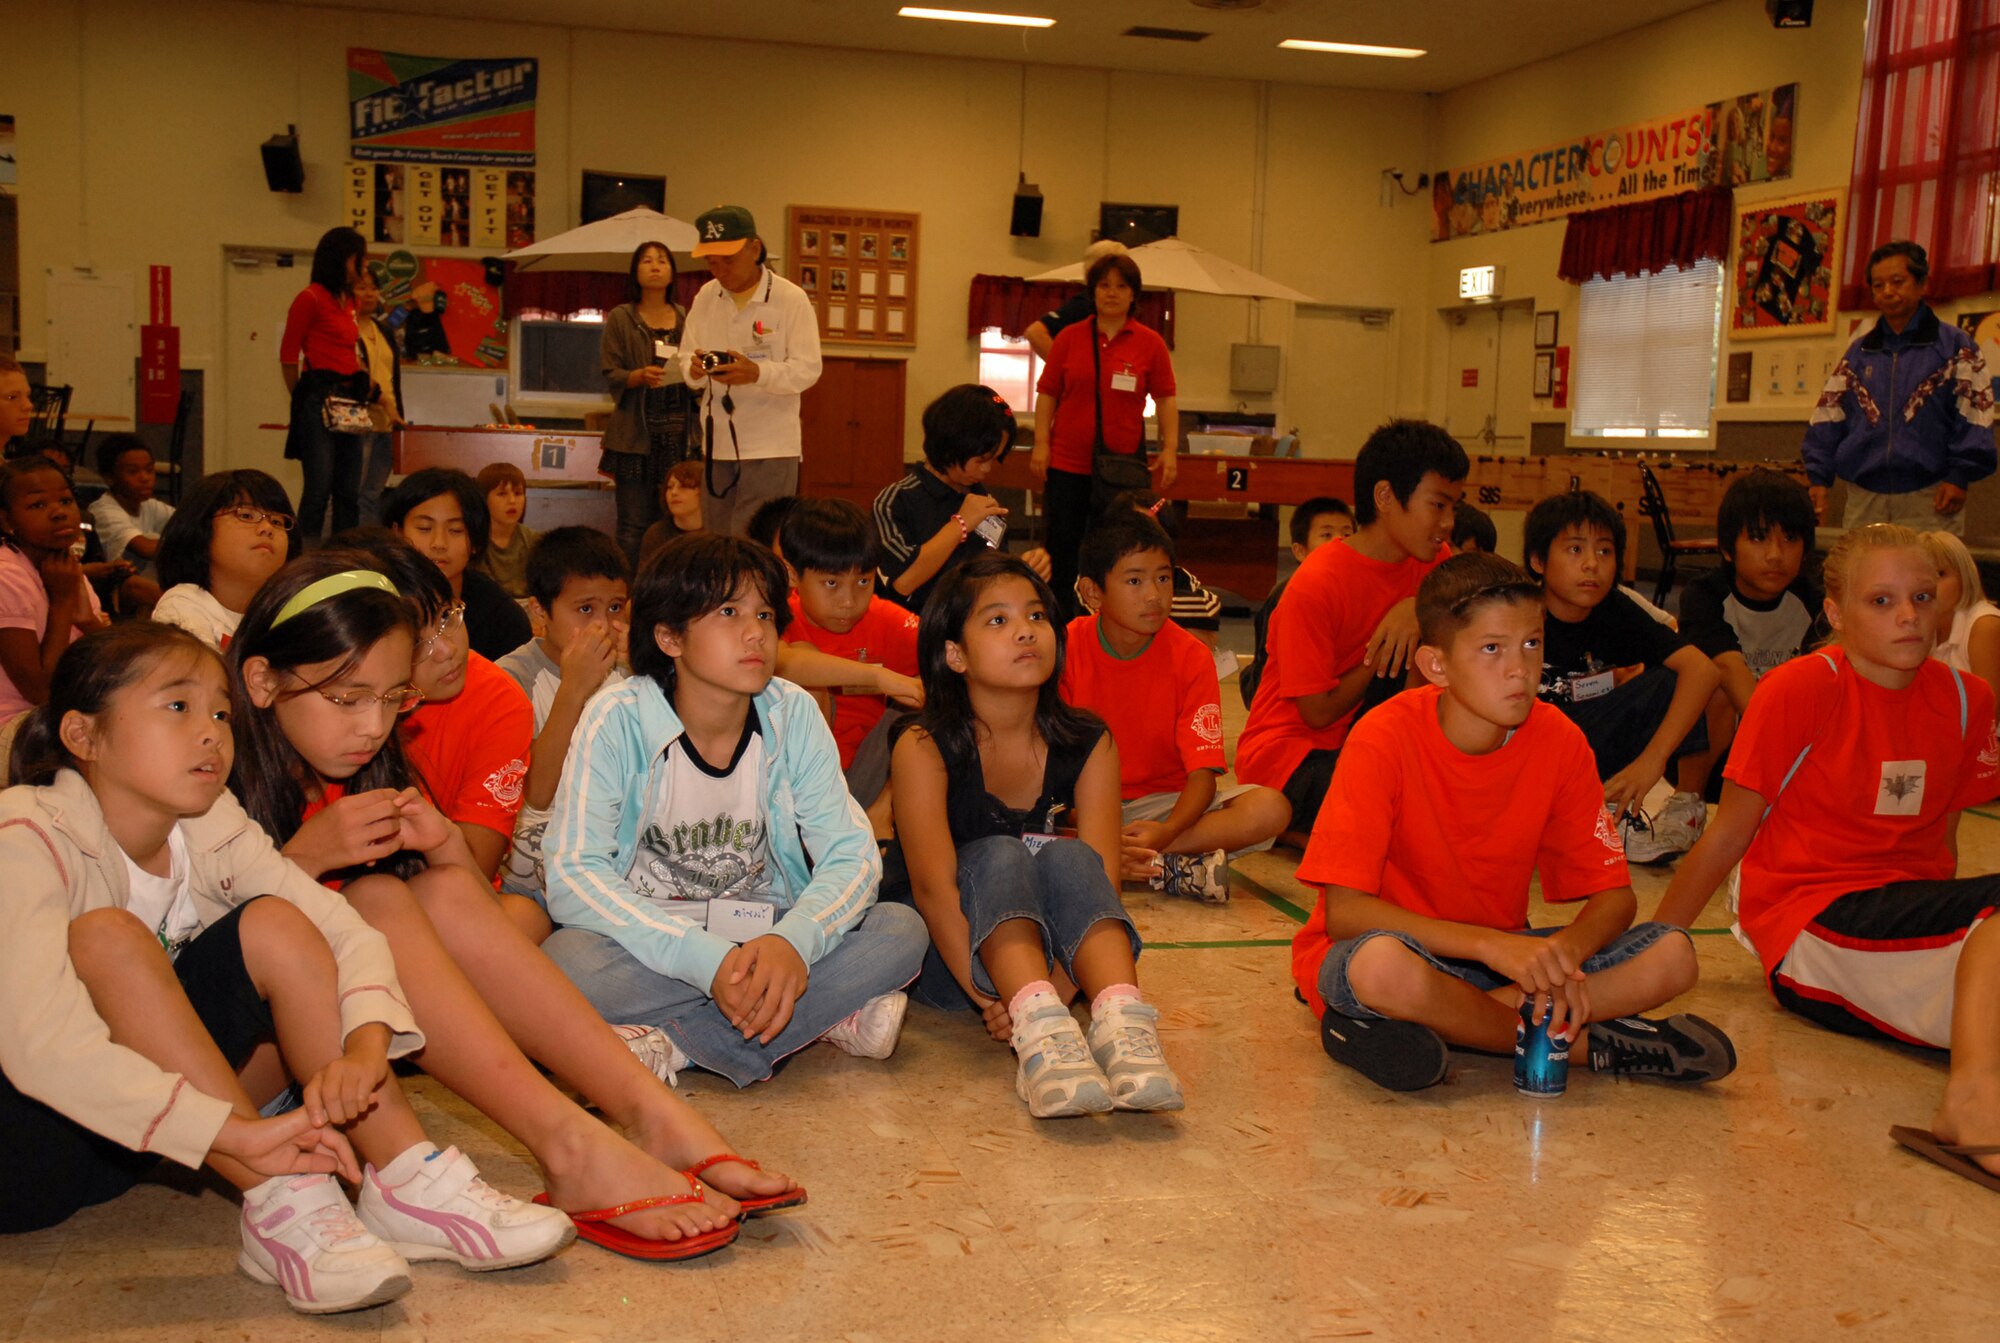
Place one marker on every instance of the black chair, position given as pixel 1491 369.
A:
pixel 173 467
pixel 51 410
pixel 1653 503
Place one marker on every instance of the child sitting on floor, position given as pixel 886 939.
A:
pixel 707 870
pixel 230 534
pixel 1446 801
pixel 1195 609
pixel 1314 523
pixel 1007 841
pixel 442 513
pixel 1637 725
pixel 1841 801
pixel 1968 637
pixel 508 539
pixel 129 519
pixel 1154 686
pixel 680 506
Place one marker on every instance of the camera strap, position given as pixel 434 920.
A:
pixel 708 444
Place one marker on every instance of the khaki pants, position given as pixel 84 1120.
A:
pixel 1910 510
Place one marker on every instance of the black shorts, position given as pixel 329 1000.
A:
pixel 1307 786
pixel 55 1166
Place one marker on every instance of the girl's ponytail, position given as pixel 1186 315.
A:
pixel 36 753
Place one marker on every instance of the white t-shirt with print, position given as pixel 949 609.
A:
pixel 704 836
pixel 195 609
pixel 163 903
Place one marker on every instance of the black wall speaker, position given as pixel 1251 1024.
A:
pixel 283 169
pixel 1789 13
pixel 1027 218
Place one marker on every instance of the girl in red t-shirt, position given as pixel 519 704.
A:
pixel 1841 801
pixel 320 669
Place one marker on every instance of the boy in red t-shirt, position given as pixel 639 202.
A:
pixel 1342 635
pixel 1446 801
pixel 1154 685
pixel 830 551
pixel 1841 800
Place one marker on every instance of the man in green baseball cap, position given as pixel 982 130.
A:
pixel 723 231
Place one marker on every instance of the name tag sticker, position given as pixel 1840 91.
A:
pixel 1037 841
pixel 741 920
pixel 663 349
pixel 1597 684
pixel 1124 382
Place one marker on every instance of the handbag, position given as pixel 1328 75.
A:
pixel 1111 473
pixel 345 415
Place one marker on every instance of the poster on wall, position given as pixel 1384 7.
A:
pixel 1984 328
pixel 432 109
pixel 839 255
pixel 442 312
pixel 1782 268
pixel 423 205
pixel 1739 141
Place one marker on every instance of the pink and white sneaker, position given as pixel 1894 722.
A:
pixel 301 1236
pixel 431 1204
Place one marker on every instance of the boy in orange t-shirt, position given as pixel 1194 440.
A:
pixel 1446 801
pixel 1341 638
pixel 1154 685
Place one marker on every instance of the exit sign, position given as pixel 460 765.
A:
pixel 1479 282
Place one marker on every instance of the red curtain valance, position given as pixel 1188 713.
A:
pixel 564 293
pixel 1647 236
pixel 1013 304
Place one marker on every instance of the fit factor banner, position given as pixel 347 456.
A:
pixel 431 109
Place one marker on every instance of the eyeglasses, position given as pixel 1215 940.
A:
pixel 257 517
pixel 400 700
pixel 450 622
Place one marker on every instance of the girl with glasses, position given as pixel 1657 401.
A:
pixel 233 531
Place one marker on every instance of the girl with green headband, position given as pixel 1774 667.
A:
pixel 321 669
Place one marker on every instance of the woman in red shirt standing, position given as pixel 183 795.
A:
pixel 1091 397
pixel 322 358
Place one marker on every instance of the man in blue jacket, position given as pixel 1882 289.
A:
pixel 1907 417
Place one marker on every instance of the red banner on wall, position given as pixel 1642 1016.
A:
pixel 159 371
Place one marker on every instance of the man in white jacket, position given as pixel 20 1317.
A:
pixel 751 348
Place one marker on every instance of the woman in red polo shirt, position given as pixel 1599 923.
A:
pixel 322 357
pixel 1114 363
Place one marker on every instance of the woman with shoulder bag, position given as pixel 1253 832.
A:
pixel 1090 414
pixel 326 373
pixel 652 425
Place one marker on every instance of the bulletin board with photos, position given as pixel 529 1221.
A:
pixel 859 268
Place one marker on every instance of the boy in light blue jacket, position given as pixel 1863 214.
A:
pixel 707 869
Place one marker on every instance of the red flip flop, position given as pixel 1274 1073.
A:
pixel 593 1226
pixel 752 1207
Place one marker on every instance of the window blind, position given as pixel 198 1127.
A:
pixel 1646 349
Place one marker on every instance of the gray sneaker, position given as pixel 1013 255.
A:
pixel 1057 1077
pixel 1201 876
pixel 1679 1048
pixel 1644 841
pixel 1125 1041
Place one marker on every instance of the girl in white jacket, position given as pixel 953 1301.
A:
pixel 151 939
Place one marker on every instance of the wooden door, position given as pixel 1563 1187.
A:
pixel 852 420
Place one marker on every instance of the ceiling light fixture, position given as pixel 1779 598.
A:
pixel 1352 48
pixel 973 16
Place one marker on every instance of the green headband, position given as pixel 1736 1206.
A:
pixel 347 580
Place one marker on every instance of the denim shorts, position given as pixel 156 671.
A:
pixel 1339 996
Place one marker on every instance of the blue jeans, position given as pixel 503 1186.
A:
pixel 636 491
pixel 879 955
pixel 1062 890
pixel 1339 995
pixel 379 457
pixel 332 466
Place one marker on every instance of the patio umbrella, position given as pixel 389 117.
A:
pixel 608 244
pixel 1173 264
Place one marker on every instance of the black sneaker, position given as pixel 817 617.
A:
pixel 1399 1055
pixel 1681 1048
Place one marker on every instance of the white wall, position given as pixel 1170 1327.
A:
pixel 139 124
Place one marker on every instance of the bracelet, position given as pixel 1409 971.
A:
pixel 964 532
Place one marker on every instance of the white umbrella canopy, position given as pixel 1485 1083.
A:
pixel 608 244
pixel 1173 264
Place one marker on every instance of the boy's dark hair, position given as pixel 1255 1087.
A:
pixel 1759 500
pixel 1311 511
pixel 831 535
pixel 1913 254
pixel 1116 537
pixel 1473 525
pixel 1403 452
pixel 184 541
pixel 89 672
pixel 967 421
pixel 573 552
pixel 426 591
pixel 769 518
pixel 421 486
pixel 1148 505
pixel 1452 592
pixel 495 474
pixel 689 577
pixel 115 446
pixel 1572 508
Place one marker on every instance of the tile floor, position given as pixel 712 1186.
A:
pixel 1289 1201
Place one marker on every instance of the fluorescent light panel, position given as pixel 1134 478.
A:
pixel 1350 48
pixel 973 16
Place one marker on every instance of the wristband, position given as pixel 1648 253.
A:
pixel 964 532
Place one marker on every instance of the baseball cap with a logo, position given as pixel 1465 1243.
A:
pixel 723 231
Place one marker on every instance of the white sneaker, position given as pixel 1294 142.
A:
pixel 1125 1041
pixel 1681 821
pixel 1201 876
pixel 1643 841
pixel 871 1031
pixel 662 1057
pixel 429 1204
pixel 301 1236
pixel 1057 1077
